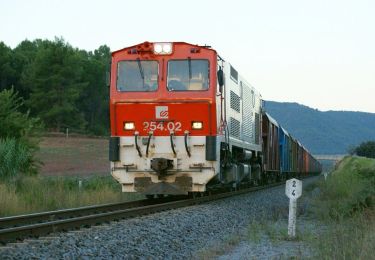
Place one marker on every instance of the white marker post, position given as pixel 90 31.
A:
pixel 293 191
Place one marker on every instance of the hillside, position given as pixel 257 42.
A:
pixel 331 132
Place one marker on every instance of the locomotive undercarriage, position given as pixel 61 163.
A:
pixel 239 168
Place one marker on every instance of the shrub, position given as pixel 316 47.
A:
pixel 15 158
pixel 366 149
pixel 18 136
pixel 15 123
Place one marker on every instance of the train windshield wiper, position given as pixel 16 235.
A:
pixel 141 72
pixel 189 62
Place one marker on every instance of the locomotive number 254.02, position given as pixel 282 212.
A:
pixel 162 126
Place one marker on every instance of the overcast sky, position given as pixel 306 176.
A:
pixel 320 53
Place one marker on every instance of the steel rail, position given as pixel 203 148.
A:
pixel 41 229
pixel 26 219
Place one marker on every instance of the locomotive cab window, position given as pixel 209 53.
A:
pixel 137 75
pixel 188 75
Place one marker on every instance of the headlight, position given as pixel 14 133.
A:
pixel 196 125
pixel 167 48
pixel 129 126
pixel 158 48
pixel 162 48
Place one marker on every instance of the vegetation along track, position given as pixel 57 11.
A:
pixel 20 227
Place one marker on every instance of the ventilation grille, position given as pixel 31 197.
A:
pixel 235 101
pixel 233 74
pixel 247 114
pixel 234 127
pixel 257 128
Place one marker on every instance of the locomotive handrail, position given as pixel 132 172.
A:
pixel 136 134
pixel 186 146
pixel 172 144
pixel 148 142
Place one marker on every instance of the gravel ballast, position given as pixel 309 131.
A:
pixel 179 233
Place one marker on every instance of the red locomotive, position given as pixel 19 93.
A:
pixel 184 120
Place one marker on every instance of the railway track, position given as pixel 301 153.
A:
pixel 17 228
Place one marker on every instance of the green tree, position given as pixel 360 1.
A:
pixel 94 98
pixel 13 122
pixel 7 73
pixel 63 86
pixel 366 149
pixel 56 79
pixel 23 57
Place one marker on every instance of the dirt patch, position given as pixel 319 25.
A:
pixel 74 156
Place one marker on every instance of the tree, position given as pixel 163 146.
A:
pixel 23 57
pixel 56 80
pixel 62 85
pixel 94 98
pixel 366 149
pixel 15 124
pixel 7 72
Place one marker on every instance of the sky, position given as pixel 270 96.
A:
pixel 317 53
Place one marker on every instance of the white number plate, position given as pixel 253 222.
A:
pixel 162 126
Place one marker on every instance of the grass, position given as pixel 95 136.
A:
pixel 65 161
pixel 350 238
pixel 276 231
pixel 338 224
pixel 73 156
pixel 274 228
pixel 230 242
pixel 345 204
pixel 350 188
pixel 15 157
pixel 35 194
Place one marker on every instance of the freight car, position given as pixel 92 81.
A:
pixel 184 120
pixel 284 156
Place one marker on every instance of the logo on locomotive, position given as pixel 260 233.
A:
pixel 161 112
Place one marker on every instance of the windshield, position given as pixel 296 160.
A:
pixel 187 75
pixel 137 75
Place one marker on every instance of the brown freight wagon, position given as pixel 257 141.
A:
pixel 270 135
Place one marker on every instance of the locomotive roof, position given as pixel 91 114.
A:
pixel 146 43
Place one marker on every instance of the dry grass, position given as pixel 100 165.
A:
pixel 65 162
pixel 35 194
pixel 230 242
pixel 352 238
pixel 73 156
pixel 9 201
